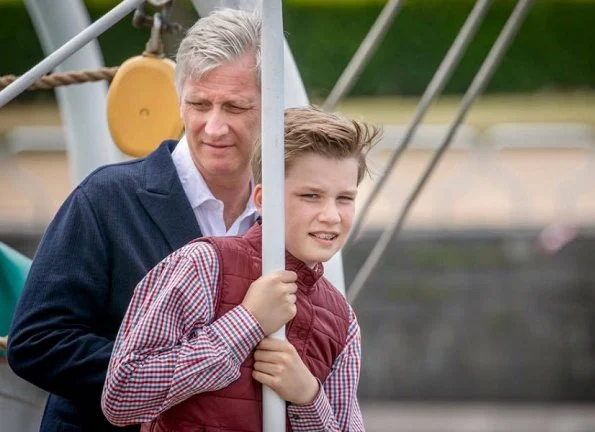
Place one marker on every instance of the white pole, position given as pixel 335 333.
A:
pixel 295 96
pixel 66 50
pixel 273 176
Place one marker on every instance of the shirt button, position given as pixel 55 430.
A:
pixel 294 416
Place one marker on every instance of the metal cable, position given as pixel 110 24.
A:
pixel 477 86
pixel 73 45
pixel 363 54
pixel 437 83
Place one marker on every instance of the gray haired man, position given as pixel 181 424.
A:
pixel 125 218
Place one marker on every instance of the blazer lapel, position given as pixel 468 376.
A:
pixel 165 200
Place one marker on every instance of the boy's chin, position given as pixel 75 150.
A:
pixel 313 257
pixel 318 258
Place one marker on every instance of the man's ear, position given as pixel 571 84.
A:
pixel 257 197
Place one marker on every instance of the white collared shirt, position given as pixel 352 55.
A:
pixel 208 209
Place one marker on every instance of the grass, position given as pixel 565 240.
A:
pixel 573 107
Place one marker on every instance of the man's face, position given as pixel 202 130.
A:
pixel 221 114
pixel 319 206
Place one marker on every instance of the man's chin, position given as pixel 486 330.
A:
pixel 217 169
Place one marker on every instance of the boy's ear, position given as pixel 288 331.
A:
pixel 257 197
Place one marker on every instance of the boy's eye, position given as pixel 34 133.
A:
pixel 309 196
pixel 346 198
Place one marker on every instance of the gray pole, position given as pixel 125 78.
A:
pixel 82 107
pixel 66 50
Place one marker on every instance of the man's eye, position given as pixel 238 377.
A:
pixel 199 105
pixel 236 109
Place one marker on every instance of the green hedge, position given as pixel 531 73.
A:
pixel 552 51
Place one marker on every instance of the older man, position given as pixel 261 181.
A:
pixel 123 219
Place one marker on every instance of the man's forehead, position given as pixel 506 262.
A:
pixel 200 88
pixel 241 71
pixel 219 95
pixel 202 95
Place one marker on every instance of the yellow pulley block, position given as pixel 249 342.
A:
pixel 142 105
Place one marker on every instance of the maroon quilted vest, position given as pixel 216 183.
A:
pixel 318 332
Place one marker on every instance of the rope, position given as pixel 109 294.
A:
pixel 62 79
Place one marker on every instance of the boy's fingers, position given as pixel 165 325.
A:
pixel 265 367
pixel 264 355
pixel 272 344
pixel 263 378
pixel 287 276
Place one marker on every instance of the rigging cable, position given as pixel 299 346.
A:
pixel 362 55
pixel 477 86
pixel 437 84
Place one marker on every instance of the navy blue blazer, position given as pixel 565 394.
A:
pixel 114 227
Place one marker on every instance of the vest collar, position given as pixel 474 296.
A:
pixel 307 277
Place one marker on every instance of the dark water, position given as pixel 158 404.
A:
pixel 470 316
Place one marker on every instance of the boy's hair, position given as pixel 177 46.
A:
pixel 310 130
pixel 223 36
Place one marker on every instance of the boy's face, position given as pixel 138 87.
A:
pixel 319 206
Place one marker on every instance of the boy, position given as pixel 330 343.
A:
pixel 193 350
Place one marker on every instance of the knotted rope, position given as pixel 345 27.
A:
pixel 62 79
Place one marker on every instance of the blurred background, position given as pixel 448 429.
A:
pixel 481 315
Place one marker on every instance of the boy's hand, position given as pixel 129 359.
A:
pixel 271 299
pixel 278 365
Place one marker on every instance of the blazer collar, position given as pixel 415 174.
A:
pixel 164 199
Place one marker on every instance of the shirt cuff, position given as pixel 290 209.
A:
pixel 239 331
pixel 314 416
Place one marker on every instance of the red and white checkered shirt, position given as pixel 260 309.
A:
pixel 169 349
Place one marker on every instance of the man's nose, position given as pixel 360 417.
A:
pixel 216 126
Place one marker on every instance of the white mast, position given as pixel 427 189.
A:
pixel 273 177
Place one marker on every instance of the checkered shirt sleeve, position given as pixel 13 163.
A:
pixel 168 347
pixel 335 408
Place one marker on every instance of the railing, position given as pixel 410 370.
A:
pixel 491 166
